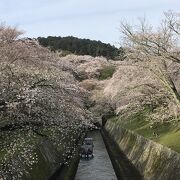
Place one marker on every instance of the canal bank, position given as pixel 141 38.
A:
pixel 67 171
pixel 124 169
pixel 154 161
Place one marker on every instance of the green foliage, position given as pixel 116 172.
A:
pixel 106 72
pixel 80 46
pixel 121 55
pixel 171 140
pixel 166 133
pixel 64 53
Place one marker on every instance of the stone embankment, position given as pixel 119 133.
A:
pixel 153 160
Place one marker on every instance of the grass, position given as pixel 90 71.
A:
pixel 171 140
pixel 163 133
pixel 106 72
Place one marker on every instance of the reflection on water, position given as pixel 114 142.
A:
pixel 98 168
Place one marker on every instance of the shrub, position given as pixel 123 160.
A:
pixel 106 72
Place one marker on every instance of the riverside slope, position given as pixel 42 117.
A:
pixel 154 161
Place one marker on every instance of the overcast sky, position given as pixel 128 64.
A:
pixel 94 19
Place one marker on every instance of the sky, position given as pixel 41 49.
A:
pixel 92 19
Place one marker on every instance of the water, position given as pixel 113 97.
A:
pixel 98 168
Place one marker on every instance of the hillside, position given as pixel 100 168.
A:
pixel 70 44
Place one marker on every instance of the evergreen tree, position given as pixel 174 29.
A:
pixel 80 46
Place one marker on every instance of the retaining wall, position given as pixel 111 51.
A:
pixel 154 161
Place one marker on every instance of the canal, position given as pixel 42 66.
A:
pixel 98 168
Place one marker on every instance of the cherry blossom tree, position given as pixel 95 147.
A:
pixel 38 99
pixel 156 48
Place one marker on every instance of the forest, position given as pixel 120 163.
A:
pixel 80 46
